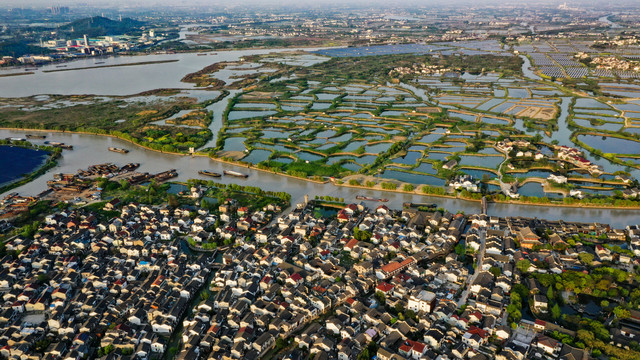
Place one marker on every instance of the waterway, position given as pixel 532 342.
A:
pixel 92 149
pixel 605 19
pixel 121 80
pixel 526 69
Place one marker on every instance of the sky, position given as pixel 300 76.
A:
pixel 149 3
pixel 314 3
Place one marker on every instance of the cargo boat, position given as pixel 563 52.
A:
pixel 367 198
pixel 235 173
pixel 209 173
pixel 32 136
pixel 59 144
pixel 130 167
pixel 166 175
pixel 118 150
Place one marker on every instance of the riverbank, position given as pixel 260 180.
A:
pixel 419 191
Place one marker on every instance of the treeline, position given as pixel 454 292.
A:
pixel 20 48
pixel 242 188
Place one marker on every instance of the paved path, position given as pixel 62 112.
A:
pixel 480 259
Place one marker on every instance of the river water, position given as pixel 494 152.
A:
pixel 605 19
pixel 121 80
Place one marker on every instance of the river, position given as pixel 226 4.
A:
pixel 121 80
pixel 92 149
pixel 526 69
pixel 605 19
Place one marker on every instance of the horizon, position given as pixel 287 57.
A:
pixel 258 4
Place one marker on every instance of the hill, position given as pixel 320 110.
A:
pixel 100 26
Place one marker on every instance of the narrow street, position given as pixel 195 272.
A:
pixel 480 259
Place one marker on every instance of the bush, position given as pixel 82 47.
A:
pixel 389 186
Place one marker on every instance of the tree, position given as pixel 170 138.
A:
pixel 556 312
pixel 460 249
pixel 550 294
pixel 173 201
pixel 364 355
pixel 281 343
pixel 586 258
pixel 523 265
pixel 496 271
pixel 621 313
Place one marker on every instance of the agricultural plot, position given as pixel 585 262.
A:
pixel 319 127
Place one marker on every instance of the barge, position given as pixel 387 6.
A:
pixel 119 150
pixel 209 173
pixel 235 173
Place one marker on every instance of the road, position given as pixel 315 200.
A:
pixel 465 294
pixel 505 188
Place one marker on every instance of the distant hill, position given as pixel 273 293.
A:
pixel 101 26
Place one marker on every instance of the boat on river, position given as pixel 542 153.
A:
pixel 130 167
pixel 367 198
pixel 59 144
pixel 165 175
pixel 235 173
pixel 209 173
pixel 32 136
pixel 119 150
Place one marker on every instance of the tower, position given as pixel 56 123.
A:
pixel 86 41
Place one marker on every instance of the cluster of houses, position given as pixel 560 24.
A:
pixel 325 288
pixel 505 146
pixel 13 204
pixel 615 63
pixel 80 285
pixel 466 182
pixel 311 281
pixel 422 69
pixel 574 157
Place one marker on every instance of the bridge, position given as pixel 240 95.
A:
pixel 484 205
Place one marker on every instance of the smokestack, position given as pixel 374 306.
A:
pixel 86 41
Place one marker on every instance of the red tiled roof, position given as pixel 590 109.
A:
pixel 476 330
pixel 295 277
pixel 384 287
pixel 351 244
